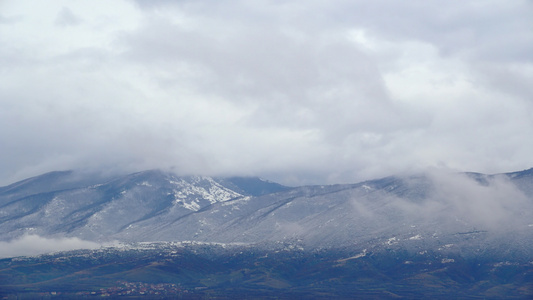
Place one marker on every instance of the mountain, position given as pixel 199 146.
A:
pixel 63 204
pixel 430 209
pixel 462 234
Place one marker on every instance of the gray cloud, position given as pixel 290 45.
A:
pixel 66 18
pixel 297 92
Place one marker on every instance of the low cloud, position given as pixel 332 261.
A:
pixel 451 199
pixel 34 245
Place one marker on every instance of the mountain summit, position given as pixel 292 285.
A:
pixel 65 204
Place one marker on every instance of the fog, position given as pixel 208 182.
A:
pixel 493 203
pixel 29 245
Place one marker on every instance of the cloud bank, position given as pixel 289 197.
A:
pixel 493 203
pixel 28 245
pixel 298 92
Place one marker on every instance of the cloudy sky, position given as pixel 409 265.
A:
pixel 295 91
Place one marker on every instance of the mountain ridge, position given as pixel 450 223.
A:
pixel 155 205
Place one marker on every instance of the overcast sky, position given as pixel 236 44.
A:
pixel 295 91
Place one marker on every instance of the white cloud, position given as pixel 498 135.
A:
pixel 34 245
pixel 498 204
pixel 318 91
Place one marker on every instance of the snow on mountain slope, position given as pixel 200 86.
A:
pixel 435 210
pixel 100 210
pixel 408 213
pixel 427 236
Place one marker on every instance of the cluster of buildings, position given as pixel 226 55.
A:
pixel 137 289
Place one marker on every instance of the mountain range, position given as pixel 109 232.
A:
pixel 434 208
pixel 428 222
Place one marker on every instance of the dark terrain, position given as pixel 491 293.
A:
pixel 283 271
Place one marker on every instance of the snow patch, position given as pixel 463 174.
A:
pixel 392 241
pixel 190 194
pixel 194 206
pixel 362 254
pixel 445 247
pixel 416 237
pixel 505 263
pixel 366 187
